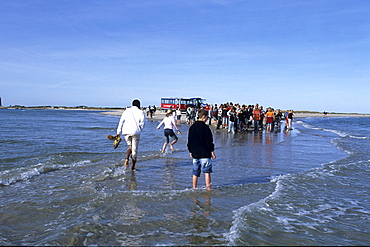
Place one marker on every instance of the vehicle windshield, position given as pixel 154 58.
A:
pixel 198 101
pixel 202 101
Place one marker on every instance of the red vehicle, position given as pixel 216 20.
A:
pixel 183 103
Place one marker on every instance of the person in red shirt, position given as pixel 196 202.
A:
pixel 256 117
pixel 270 118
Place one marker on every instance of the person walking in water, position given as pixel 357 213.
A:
pixel 178 116
pixel 201 148
pixel 130 125
pixel 290 119
pixel 169 124
pixel 232 119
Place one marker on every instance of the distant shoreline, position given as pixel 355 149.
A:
pixel 159 115
pixel 84 108
pixel 304 115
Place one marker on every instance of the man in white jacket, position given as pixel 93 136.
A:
pixel 130 125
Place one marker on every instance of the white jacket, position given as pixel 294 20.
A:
pixel 131 122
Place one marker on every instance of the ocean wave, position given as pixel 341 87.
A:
pixel 97 128
pixel 238 223
pixel 9 177
pixel 14 141
pixel 344 134
pixel 336 132
pixel 308 203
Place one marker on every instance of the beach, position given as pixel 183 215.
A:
pixel 62 183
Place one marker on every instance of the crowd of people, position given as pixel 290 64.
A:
pixel 200 140
pixel 236 117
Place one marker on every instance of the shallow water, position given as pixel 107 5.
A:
pixel 62 183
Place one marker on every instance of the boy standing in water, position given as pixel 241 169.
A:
pixel 201 148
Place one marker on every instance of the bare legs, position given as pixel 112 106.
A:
pixel 269 128
pixel 173 142
pixel 207 177
pixel 128 153
pixel 165 145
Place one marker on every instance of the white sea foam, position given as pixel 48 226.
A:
pixel 284 208
pixel 238 218
pixel 337 132
pixel 12 176
pixel 344 134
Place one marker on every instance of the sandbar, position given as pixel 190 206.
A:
pixel 159 115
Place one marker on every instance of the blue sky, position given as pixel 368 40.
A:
pixel 301 55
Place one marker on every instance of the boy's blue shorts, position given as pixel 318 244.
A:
pixel 203 164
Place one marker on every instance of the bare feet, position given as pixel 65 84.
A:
pixel 133 164
pixel 126 163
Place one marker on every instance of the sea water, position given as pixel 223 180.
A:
pixel 62 183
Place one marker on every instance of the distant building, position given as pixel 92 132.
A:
pixel 0 103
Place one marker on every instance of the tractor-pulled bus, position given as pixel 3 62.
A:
pixel 183 103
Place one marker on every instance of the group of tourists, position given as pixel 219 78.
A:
pixel 236 117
